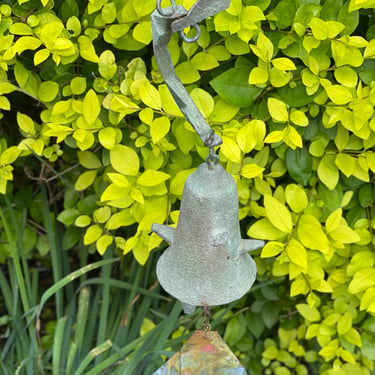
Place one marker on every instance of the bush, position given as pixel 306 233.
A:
pixel 290 88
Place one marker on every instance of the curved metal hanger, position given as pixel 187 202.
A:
pixel 165 22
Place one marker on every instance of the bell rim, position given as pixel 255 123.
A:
pixel 232 288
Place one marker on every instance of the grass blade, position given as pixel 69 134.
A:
pixel 94 353
pixel 71 277
pixel 57 346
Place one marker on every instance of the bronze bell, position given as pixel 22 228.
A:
pixel 207 263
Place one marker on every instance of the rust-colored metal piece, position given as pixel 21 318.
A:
pixel 205 353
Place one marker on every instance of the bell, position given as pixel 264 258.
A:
pixel 207 262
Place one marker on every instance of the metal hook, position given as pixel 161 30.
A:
pixel 194 38
pixel 162 11
pixel 212 159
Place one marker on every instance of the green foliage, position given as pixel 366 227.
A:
pixel 289 86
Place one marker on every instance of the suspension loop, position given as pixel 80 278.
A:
pixel 194 38
pixel 163 11
pixel 206 326
pixel 212 159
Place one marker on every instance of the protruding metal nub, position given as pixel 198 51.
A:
pixel 165 232
pixel 194 38
pixel 163 11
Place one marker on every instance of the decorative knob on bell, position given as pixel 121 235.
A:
pixel 207 262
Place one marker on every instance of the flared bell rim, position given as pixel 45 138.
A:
pixel 213 289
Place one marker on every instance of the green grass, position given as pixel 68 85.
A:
pixel 96 317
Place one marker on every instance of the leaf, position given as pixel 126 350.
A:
pixel 283 63
pixel 107 64
pixel 91 107
pixel 187 73
pixel 152 178
pixel 334 220
pixel 86 49
pixel 232 86
pixel 339 94
pixel 298 117
pixel 142 32
pixel 223 112
pixel 263 229
pixel 344 324
pixel 311 314
pixel 150 95
pixel 93 232
pixel 296 198
pixel 124 160
pixel 85 180
pixel 327 172
pixel 278 214
pixel 159 128
pixel 251 170
pixel 7 88
pixel 48 91
pixel 204 61
pixel 346 55
pixel 178 182
pixel 108 137
pixel 26 124
pixel 230 149
pixel 103 242
pixel 345 163
pixel 297 253
pixel 251 135
pixel 344 234
pixel 258 76
pixel 277 110
pixel 120 219
pixel 204 101
pixel 272 249
pixel 311 235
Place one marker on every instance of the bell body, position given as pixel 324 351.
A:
pixel 207 263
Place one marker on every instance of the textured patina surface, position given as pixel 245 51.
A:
pixel 205 353
pixel 207 262
pixel 164 24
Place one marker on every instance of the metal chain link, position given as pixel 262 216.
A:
pixel 163 12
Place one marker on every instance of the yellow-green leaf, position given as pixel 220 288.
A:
pixel 296 198
pixel 278 214
pixel 277 110
pixel 272 249
pixel 85 180
pixel 204 101
pixel 152 178
pixel 124 160
pixel 26 124
pixel 311 235
pixel 93 232
pixel 103 242
pixel 230 149
pixel 283 63
pixel 297 253
pixel 264 230
pixel 150 95
pixel 91 107
pixel 159 128
pixel 339 94
pixel 311 314
pixel 251 170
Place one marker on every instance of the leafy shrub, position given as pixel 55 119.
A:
pixel 289 86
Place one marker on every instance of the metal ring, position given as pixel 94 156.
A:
pixel 163 12
pixel 194 38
